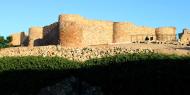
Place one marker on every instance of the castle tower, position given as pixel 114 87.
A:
pixel 121 32
pixel 70 31
pixel 166 34
pixel 185 37
pixel 35 36
pixel 17 39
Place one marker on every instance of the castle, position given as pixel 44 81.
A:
pixel 76 31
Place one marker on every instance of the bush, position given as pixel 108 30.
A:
pixel 36 63
pixel 58 63
pixel 144 74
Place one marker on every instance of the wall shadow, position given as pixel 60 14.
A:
pixel 184 48
pixel 38 42
pixel 114 79
pixel 51 34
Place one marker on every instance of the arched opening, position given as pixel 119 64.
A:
pixel 146 39
pixel 151 38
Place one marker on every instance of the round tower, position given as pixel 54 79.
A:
pixel 35 36
pixel 70 31
pixel 166 34
pixel 121 32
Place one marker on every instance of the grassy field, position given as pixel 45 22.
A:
pixel 144 74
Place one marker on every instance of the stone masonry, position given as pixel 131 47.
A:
pixel 166 34
pixel 77 31
pixel 17 38
pixel 35 36
pixel 76 54
pixel 185 36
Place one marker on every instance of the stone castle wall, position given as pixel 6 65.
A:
pixel 128 32
pixel 35 36
pixel 166 34
pixel 17 38
pixel 77 31
pixel 121 32
pixel 51 34
pixel 97 32
pixel 185 36
pixel 70 31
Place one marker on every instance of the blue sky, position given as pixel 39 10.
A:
pixel 19 15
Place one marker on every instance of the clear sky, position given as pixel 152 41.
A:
pixel 19 15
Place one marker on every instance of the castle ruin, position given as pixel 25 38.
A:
pixel 77 31
pixel 185 36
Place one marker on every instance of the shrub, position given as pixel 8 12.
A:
pixel 116 75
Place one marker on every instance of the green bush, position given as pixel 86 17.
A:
pixel 58 63
pixel 36 63
pixel 145 74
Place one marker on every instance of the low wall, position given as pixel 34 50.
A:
pixel 77 54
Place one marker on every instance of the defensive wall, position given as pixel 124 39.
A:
pixel 128 32
pixel 166 34
pixel 35 36
pixel 77 31
pixel 51 34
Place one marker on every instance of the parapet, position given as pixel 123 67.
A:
pixel 69 17
pixel 35 35
pixel 123 25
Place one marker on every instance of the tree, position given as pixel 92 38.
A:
pixel 5 42
pixel 9 39
pixel 2 39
